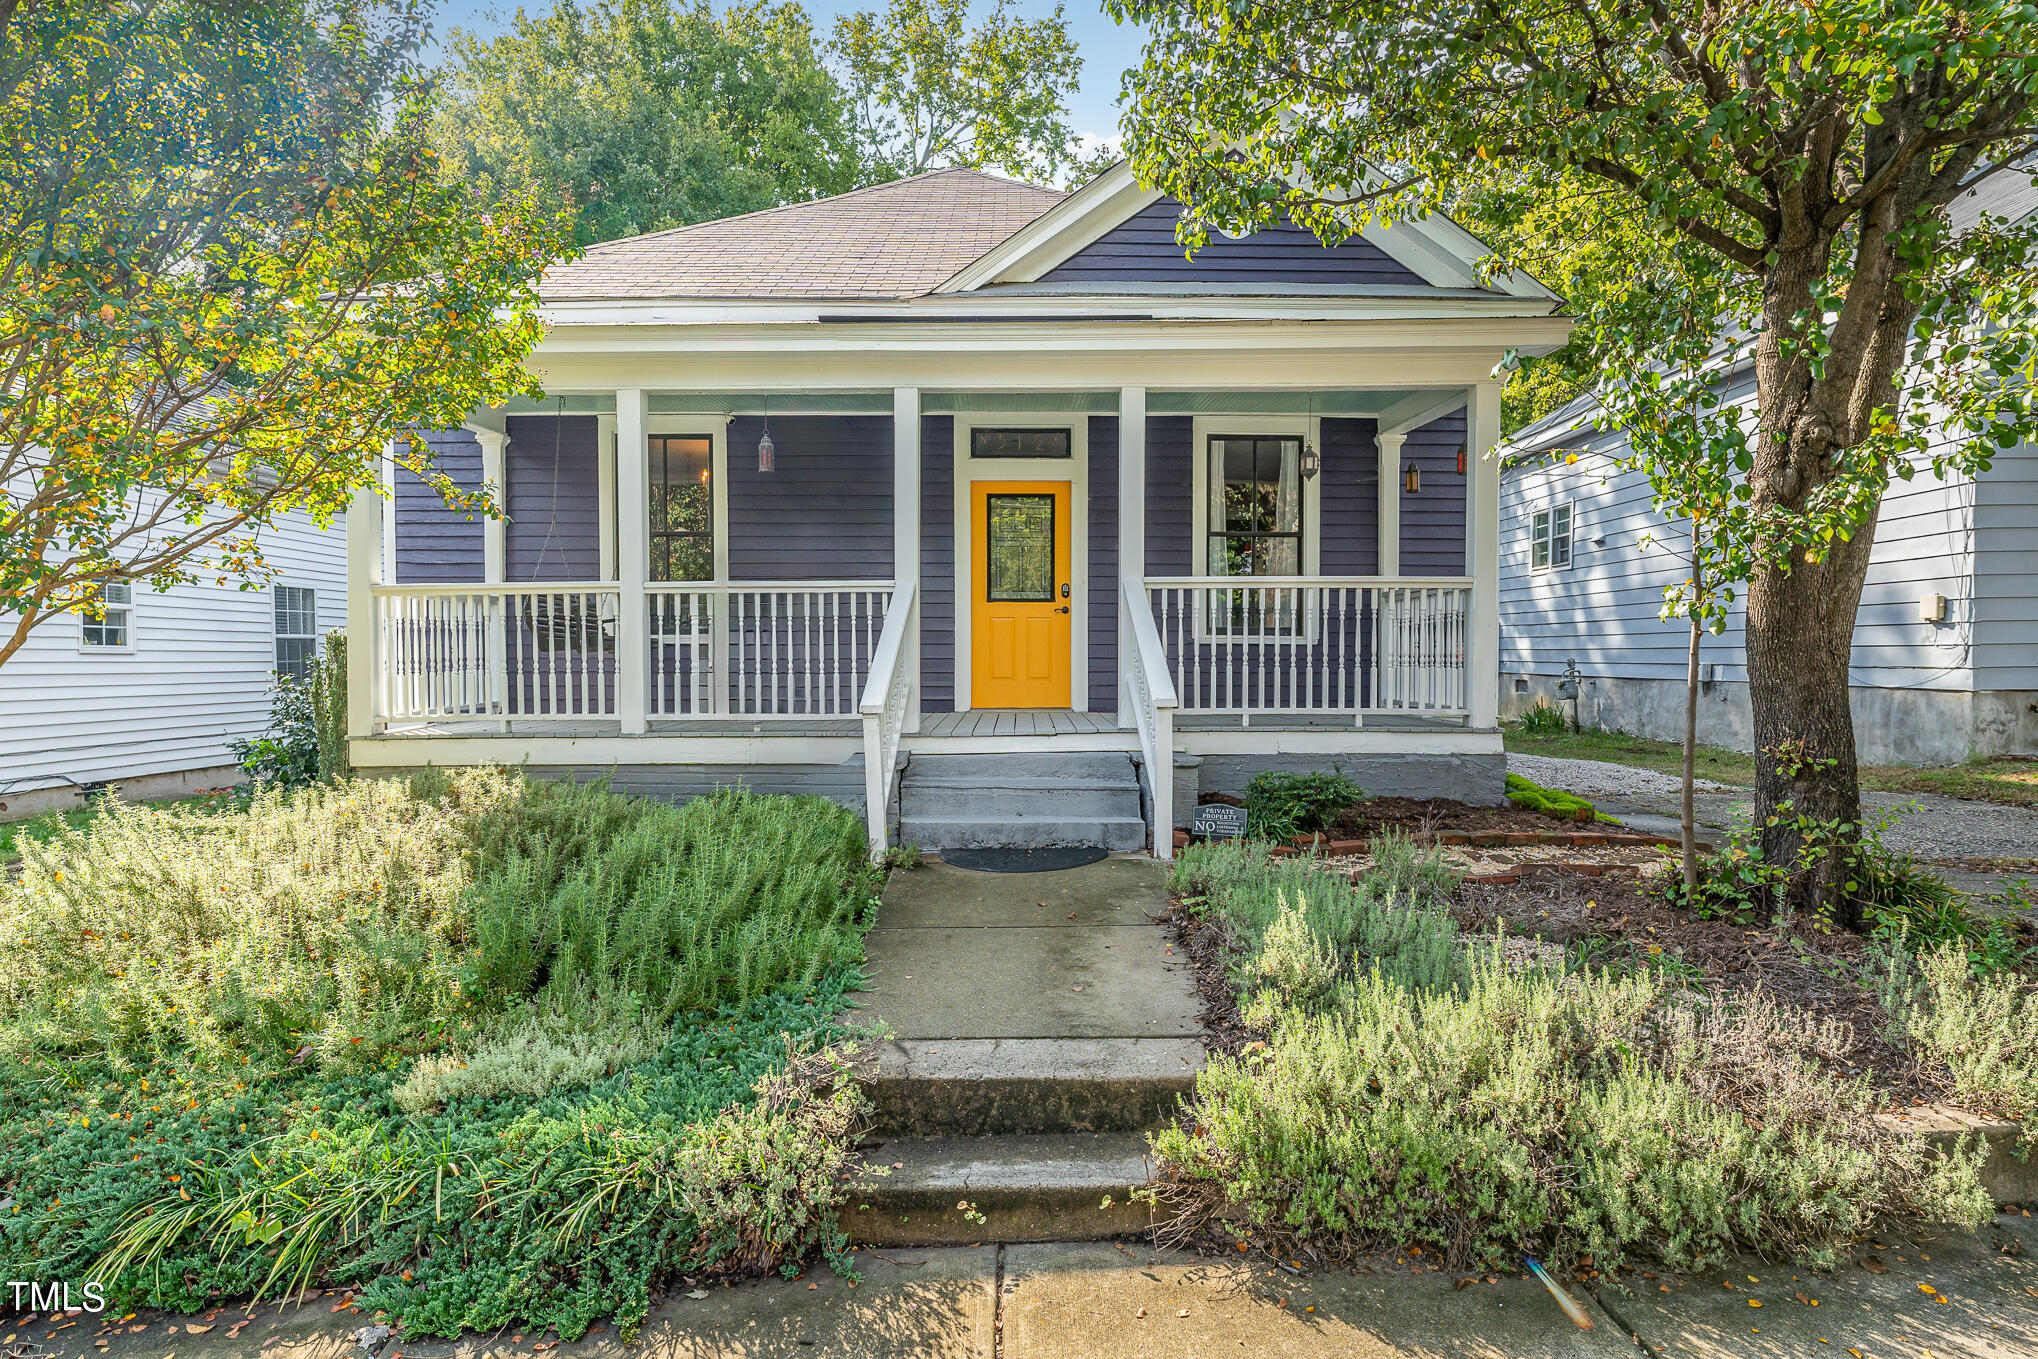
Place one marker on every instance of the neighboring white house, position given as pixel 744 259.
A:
pixel 1945 660
pixel 150 699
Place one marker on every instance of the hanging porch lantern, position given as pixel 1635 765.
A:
pixel 767 451
pixel 1311 461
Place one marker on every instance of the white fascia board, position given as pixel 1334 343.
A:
pixel 1061 231
pixel 963 308
pixel 1454 252
pixel 1491 335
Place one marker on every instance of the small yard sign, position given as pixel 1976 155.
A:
pixel 1217 821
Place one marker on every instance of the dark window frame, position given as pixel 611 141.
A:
pixel 660 542
pixel 1213 468
pixel 1066 434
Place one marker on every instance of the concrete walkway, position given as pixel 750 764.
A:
pixel 1070 955
pixel 1041 1026
pixel 1099 1300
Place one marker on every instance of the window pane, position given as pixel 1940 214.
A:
pixel 108 631
pixel 682 510
pixel 294 655
pixel 1255 506
pixel 1560 522
pixel 117 592
pixel 1019 547
pixel 296 611
pixel 1019 443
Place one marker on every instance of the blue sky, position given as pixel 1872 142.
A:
pixel 1108 48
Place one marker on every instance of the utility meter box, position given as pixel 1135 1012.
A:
pixel 1932 609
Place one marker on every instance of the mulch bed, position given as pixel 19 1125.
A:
pixel 1808 969
pixel 1208 947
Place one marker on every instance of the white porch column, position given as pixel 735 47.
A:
pixel 492 479
pixel 364 573
pixel 1131 536
pixel 633 555
pixel 906 524
pixel 385 512
pixel 1482 554
pixel 1390 503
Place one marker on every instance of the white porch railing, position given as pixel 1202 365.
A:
pixel 777 649
pixel 547 652
pixel 529 652
pixel 887 699
pixel 1298 644
pixel 1154 698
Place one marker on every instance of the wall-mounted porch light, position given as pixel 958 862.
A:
pixel 767 451
pixel 1411 479
pixel 1461 459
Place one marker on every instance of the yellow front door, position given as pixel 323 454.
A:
pixel 1020 611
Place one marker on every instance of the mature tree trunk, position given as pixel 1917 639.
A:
pixel 1800 636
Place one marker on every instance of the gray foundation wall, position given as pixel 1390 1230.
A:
pixel 1480 780
pixel 1891 726
pixel 144 788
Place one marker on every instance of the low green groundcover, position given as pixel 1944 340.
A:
pixel 1533 797
pixel 500 1053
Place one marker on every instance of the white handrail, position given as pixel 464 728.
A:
pixel 886 696
pixel 1299 582
pixel 1153 712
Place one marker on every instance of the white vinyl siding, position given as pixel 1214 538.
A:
pixel 197 677
pixel 1605 612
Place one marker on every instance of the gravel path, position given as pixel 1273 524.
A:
pixel 1938 828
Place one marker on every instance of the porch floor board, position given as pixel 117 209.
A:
pixel 1016 722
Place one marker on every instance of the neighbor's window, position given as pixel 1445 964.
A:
pixel 682 507
pixel 1550 538
pixel 296 629
pixel 114 625
pixel 1255 500
pixel 1019 443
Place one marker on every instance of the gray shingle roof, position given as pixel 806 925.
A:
pixel 901 239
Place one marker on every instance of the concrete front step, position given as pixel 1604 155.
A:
pixel 1064 802
pixel 1118 834
pixel 1020 764
pixel 941 1191
pixel 967 1087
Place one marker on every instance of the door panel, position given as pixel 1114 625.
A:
pixel 1021 612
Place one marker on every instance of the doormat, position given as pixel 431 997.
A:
pixel 1022 860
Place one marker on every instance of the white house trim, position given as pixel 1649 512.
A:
pixel 906 523
pixel 1074 469
pixel 633 555
pixel 1075 222
pixel 1413 412
pixel 1129 301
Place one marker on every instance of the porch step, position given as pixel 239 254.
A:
pixel 941 1191
pixel 956 1087
pixel 1022 800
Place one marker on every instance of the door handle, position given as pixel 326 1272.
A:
pixel 1063 609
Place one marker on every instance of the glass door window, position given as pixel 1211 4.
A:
pixel 682 507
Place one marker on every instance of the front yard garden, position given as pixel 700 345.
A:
pixel 490 1051
pixel 1571 1067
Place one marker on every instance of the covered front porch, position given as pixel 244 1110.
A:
pixel 836 581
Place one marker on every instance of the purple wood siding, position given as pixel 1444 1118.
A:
pixel 1143 249
pixel 435 545
pixel 1103 474
pixel 1170 498
pixel 1349 499
pixel 825 513
pixel 1433 521
pixel 554 499
pixel 937 563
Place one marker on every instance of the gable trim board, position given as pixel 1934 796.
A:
pixel 1433 251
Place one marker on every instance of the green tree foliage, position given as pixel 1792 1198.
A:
pixel 230 275
pixel 639 115
pixel 1792 161
pixel 929 91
